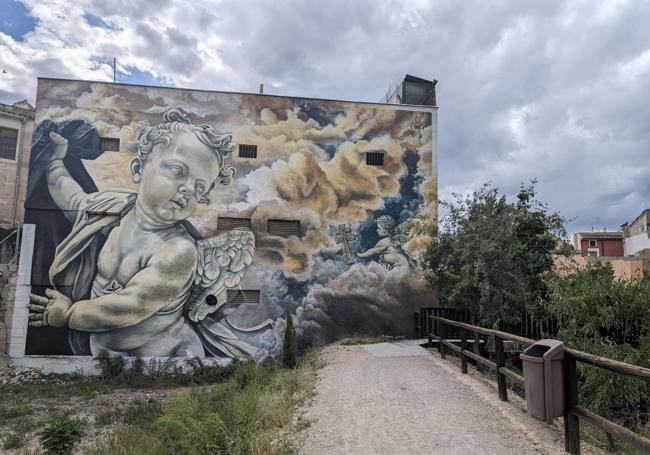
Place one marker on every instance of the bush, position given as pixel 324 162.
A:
pixel 289 347
pixel 111 367
pixel 60 435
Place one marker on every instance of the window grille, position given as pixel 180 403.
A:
pixel 110 144
pixel 247 151
pixel 240 296
pixel 8 142
pixel 284 228
pixel 374 158
pixel 228 224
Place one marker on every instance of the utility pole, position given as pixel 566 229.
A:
pixel 114 65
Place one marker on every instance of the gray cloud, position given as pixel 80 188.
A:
pixel 555 90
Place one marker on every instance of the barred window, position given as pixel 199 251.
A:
pixel 228 224
pixel 247 151
pixel 375 158
pixel 242 296
pixel 8 142
pixel 284 228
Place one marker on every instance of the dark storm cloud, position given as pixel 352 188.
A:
pixel 555 90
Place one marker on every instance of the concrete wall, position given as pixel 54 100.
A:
pixel 624 268
pixel 636 243
pixel 8 278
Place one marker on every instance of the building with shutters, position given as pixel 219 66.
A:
pixel 175 222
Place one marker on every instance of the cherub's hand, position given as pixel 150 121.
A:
pixel 61 146
pixel 49 311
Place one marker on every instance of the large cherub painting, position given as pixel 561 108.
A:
pixel 151 286
pixel 134 248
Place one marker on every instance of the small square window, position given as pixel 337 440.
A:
pixel 8 142
pixel 374 158
pixel 593 243
pixel 110 144
pixel 247 151
pixel 284 228
pixel 241 296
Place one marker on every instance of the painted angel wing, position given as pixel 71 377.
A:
pixel 222 262
pixel 402 232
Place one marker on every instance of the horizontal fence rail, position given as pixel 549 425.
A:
pixel 440 331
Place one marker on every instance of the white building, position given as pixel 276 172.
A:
pixel 636 235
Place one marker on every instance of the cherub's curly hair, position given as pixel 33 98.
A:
pixel 175 121
pixel 387 222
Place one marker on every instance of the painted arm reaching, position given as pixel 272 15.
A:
pixel 147 292
pixel 376 250
pixel 63 188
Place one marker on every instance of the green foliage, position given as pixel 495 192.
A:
pixel 112 367
pixel 491 254
pixel 142 412
pixel 598 314
pixel 289 346
pixel 60 435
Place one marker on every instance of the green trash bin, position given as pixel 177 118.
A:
pixel 543 364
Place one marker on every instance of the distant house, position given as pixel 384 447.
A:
pixel 636 235
pixel 599 243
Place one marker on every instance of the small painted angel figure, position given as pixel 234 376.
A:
pixel 389 249
pixel 143 291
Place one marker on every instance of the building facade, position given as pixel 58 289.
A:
pixel 608 244
pixel 637 234
pixel 172 223
pixel 16 125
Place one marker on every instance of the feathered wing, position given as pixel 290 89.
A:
pixel 222 263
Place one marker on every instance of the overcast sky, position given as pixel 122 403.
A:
pixel 553 90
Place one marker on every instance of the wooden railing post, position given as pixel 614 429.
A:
pixel 501 363
pixel 571 421
pixel 443 335
pixel 463 346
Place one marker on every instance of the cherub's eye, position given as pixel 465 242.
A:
pixel 176 170
pixel 200 189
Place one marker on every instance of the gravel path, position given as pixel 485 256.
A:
pixel 415 404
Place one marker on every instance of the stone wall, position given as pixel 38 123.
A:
pixel 8 169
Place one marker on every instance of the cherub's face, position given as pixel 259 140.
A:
pixel 175 178
pixel 381 231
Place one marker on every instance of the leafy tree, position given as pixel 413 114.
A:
pixel 491 254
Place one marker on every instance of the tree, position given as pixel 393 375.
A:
pixel 289 348
pixel 491 254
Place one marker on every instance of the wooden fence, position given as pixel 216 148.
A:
pixel 572 412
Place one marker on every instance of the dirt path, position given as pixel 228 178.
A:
pixel 397 399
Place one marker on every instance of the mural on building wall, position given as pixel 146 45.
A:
pixel 130 256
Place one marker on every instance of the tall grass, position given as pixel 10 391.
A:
pixel 252 412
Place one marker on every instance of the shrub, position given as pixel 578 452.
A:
pixel 289 347
pixel 60 435
pixel 111 367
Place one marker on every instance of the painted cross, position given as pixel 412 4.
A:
pixel 344 235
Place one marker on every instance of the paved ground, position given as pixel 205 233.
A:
pixel 396 398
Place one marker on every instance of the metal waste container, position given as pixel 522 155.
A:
pixel 543 379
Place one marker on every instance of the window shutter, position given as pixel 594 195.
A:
pixel 284 228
